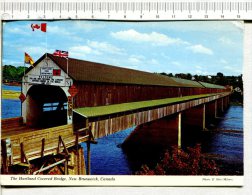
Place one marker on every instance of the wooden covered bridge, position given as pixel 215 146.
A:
pixel 68 101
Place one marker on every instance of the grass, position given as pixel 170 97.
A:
pixel 124 107
pixel 8 94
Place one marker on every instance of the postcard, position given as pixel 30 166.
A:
pixel 112 103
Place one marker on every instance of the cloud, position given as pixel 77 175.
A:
pixel 200 49
pixel 200 72
pixel 158 39
pixel 105 47
pixel 154 38
pixel 18 29
pixel 35 50
pixel 81 51
pixel 13 62
pixel 94 48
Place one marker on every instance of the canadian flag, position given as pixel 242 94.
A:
pixel 41 26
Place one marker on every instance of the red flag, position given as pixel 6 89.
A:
pixel 41 26
pixel 60 53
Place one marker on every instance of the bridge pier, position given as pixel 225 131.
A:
pixel 211 111
pixel 220 106
pixel 194 118
pixel 193 122
pixel 226 102
pixel 160 133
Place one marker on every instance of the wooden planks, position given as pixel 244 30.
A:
pixel 43 142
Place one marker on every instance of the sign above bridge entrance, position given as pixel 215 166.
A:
pixel 46 80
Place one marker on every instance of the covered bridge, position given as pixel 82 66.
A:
pixel 68 101
pixel 48 86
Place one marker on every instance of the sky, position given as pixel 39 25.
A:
pixel 195 47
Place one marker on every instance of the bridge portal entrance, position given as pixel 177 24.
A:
pixel 46 106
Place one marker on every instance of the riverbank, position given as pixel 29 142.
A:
pixel 11 95
pixel 12 83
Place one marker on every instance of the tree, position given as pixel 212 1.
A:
pixel 12 73
pixel 219 74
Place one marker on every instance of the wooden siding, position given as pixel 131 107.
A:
pixel 99 94
pixel 105 126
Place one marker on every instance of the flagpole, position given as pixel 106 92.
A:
pixel 67 67
pixel 24 64
pixel 46 48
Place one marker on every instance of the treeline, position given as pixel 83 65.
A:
pixel 219 79
pixel 12 74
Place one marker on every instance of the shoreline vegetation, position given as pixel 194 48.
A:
pixel 12 83
pixel 179 162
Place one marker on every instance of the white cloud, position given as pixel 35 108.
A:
pixel 81 51
pixel 154 37
pixel 17 31
pixel 94 48
pixel 13 62
pixel 202 72
pixel 200 49
pixel 35 50
pixel 105 47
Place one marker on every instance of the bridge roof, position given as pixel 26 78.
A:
pixel 98 111
pixel 209 85
pixel 187 82
pixel 81 70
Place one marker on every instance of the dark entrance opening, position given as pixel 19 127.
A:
pixel 46 106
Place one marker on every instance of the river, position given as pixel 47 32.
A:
pixel 224 142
